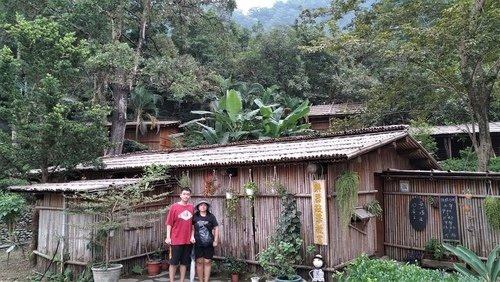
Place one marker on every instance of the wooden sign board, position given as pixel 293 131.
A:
pixel 449 218
pixel 418 214
pixel 319 214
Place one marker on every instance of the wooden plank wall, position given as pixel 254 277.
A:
pixel 475 232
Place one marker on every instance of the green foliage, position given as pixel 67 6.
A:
pixel 6 182
pixel 435 248
pixel 137 269
pixel 422 133
pixel 364 269
pixel 346 187
pixel 113 207
pixel 250 186
pixel 234 266
pixel 275 122
pixel 51 120
pixel 130 146
pixel 488 271
pixel 12 206
pixel 494 164
pixel 185 181
pixel 284 249
pixel 492 211
pixel 466 162
pixel 232 206
pixel 374 208
pixel 144 106
pixel 230 122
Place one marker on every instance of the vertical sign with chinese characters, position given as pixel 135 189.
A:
pixel 449 220
pixel 320 223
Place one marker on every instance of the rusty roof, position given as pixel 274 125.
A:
pixel 336 109
pixel 77 186
pixel 329 147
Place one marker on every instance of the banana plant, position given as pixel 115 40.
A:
pixel 226 122
pixel 488 271
pixel 275 122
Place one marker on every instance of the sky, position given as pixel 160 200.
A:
pixel 245 5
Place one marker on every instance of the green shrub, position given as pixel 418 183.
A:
pixel 492 211
pixel 130 146
pixel 466 162
pixel 365 269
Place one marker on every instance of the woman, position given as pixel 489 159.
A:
pixel 206 234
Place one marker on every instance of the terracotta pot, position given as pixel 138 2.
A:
pixel 235 277
pixel 468 196
pixel 153 267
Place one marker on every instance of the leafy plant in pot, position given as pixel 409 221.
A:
pixel 154 263
pixel 112 210
pixel 234 267
pixel 284 250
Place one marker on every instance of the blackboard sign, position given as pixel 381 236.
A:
pixel 449 219
pixel 418 214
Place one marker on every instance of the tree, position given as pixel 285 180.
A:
pixel 427 56
pixel 50 128
pixel 143 104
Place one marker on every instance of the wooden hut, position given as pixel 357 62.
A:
pixel 158 135
pixel 298 163
pixel 451 139
pixel 320 115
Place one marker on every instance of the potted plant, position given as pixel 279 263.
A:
pixel 374 208
pixel 346 186
pixel 492 211
pixel 232 205
pixel 284 250
pixel 436 255
pixel 153 263
pixel 250 189
pixel 234 267
pixel 114 208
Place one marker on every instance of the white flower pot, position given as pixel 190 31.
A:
pixel 229 195
pixel 249 191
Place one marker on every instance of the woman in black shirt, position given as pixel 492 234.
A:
pixel 206 234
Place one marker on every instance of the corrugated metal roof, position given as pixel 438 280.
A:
pixel 77 186
pixel 336 109
pixel 461 129
pixel 328 147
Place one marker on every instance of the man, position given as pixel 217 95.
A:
pixel 180 234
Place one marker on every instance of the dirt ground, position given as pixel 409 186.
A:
pixel 16 268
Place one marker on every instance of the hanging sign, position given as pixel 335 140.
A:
pixel 449 219
pixel 318 203
pixel 418 214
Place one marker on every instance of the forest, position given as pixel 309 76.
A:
pixel 68 68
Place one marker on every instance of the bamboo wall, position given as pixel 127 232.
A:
pixel 475 232
pixel 69 234
pixel 244 237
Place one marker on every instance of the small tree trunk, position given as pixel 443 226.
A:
pixel 118 118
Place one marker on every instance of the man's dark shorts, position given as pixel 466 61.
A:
pixel 181 254
pixel 204 252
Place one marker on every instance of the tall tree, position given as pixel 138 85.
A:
pixel 39 94
pixel 430 55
